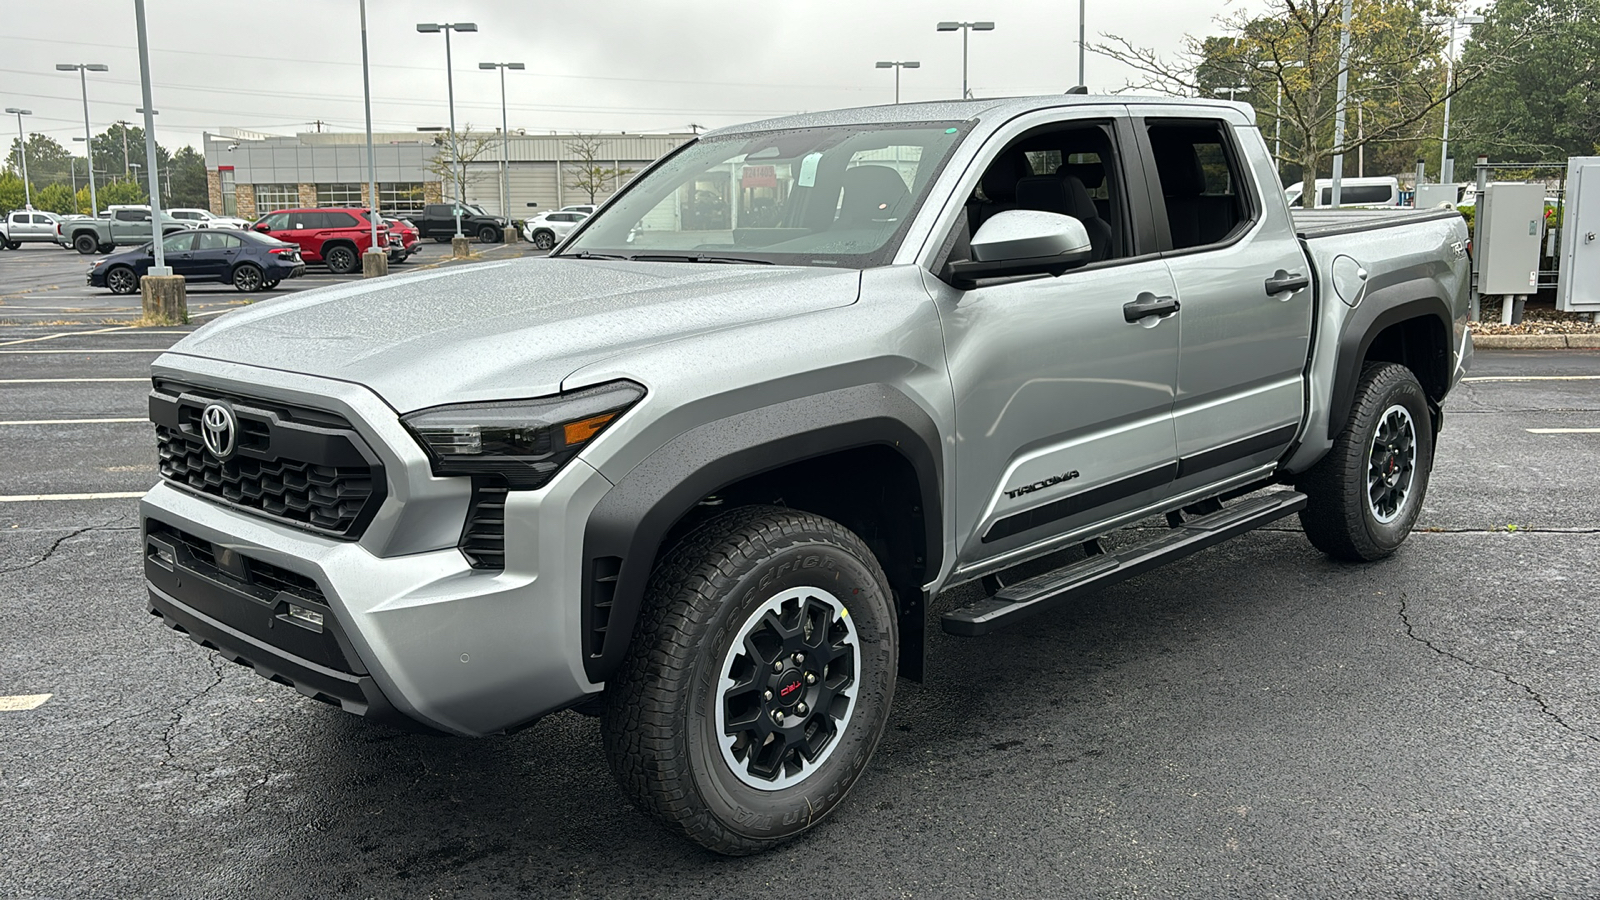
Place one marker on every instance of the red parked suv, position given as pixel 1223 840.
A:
pixel 336 236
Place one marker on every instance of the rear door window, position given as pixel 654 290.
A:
pixel 338 220
pixel 1201 182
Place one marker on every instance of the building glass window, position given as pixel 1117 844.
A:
pixel 400 198
pixel 270 197
pixel 230 200
pixel 345 195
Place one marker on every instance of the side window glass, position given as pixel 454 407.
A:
pixel 178 243
pixel 339 220
pixel 1201 182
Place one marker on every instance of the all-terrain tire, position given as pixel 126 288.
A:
pixel 488 234
pixel 85 244
pixel 712 605
pixel 1365 495
pixel 340 259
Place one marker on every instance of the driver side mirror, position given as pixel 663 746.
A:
pixel 262 227
pixel 1022 242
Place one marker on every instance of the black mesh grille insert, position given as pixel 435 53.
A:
pixel 266 579
pixel 305 467
pixel 483 540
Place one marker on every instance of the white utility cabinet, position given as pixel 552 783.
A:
pixel 1578 284
pixel 1433 196
pixel 1511 217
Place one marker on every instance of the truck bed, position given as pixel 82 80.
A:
pixel 1319 223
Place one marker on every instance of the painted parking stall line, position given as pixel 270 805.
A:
pixel 1485 379
pixel 46 498
pixel 73 421
pixel 58 352
pixel 1562 430
pixel 65 380
pixel 23 702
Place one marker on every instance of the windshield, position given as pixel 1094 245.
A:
pixel 838 196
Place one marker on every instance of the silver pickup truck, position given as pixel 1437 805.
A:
pixel 705 469
pixel 118 226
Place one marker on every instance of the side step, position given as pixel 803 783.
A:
pixel 1043 592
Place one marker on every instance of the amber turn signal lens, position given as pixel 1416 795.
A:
pixel 582 430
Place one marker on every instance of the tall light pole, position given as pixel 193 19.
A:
pixel 964 27
pixel 373 264
pixel 22 152
pixel 1341 100
pixel 1233 91
pixel 505 137
pixel 88 137
pixel 450 84
pixel 1081 44
pixel 897 66
pixel 125 125
pixel 1449 84
pixel 150 142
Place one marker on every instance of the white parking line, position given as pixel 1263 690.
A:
pixel 107 495
pixel 70 421
pixel 32 352
pixel 1483 378
pixel 63 380
pixel 1562 430
pixel 22 702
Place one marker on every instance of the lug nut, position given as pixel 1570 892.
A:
pixel 778 717
pixel 766 695
pixel 811 678
pixel 777 666
pixel 801 709
pixel 799 657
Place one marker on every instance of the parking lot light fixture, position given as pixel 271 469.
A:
pixel 505 136
pixel 22 151
pixel 1449 81
pixel 897 66
pixel 83 83
pixel 367 266
pixel 964 27
pixel 450 86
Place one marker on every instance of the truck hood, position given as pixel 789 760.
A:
pixel 505 330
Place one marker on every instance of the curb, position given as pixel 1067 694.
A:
pixel 1536 341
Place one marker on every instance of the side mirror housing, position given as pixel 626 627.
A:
pixel 1023 242
pixel 261 226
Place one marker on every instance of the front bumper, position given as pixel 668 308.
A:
pixel 420 634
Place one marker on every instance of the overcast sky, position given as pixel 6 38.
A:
pixel 631 65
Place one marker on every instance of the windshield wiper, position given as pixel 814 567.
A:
pixel 731 260
pixel 587 255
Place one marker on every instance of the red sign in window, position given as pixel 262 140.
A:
pixel 758 177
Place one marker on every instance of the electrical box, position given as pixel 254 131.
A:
pixel 1434 196
pixel 1578 283
pixel 1512 222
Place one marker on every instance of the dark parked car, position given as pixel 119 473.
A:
pixel 438 221
pixel 248 261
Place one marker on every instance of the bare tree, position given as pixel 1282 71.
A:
pixel 450 164
pixel 586 171
pixel 1396 70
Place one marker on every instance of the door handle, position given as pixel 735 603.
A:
pixel 1283 282
pixel 1148 304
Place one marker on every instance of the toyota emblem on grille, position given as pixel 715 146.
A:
pixel 219 429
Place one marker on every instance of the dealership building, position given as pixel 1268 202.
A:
pixel 250 174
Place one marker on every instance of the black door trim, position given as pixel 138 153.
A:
pixel 1227 453
pixel 1081 502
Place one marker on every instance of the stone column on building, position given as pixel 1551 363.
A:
pixel 433 192
pixel 308 195
pixel 244 201
pixel 214 191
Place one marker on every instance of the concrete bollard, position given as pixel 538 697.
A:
pixel 460 247
pixel 374 264
pixel 166 300
pixel 511 235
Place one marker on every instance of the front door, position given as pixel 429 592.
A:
pixel 178 251
pixel 1063 394
pixel 1244 284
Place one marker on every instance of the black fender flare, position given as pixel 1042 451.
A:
pixel 635 515
pixel 1410 298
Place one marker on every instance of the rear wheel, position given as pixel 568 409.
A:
pixel 441 240
pixel 1365 495
pixel 247 278
pixel 269 285
pixel 122 280
pixel 758 682
pixel 543 240
pixel 341 260
pixel 85 244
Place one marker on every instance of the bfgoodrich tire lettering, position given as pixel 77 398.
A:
pixel 1365 495
pixel 661 734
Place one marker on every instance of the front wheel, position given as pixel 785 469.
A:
pixel 122 280
pixel 341 260
pixel 543 240
pixel 758 682
pixel 1365 495
pixel 489 234
pixel 85 244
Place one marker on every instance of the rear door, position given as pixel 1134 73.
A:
pixel 130 226
pixel 215 254
pixel 1244 285
pixel 42 227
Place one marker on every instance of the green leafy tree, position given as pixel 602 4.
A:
pixel 56 198
pixel 12 192
pixel 113 158
pixel 48 161
pixel 1542 105
pixel 188 179
pixel 122 193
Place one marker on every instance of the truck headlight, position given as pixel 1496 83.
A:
pixel 524 441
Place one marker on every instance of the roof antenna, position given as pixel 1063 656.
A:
pixel 1080 89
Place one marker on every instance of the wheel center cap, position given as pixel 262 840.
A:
pixel 790 689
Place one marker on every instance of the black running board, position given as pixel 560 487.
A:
pixel 1043 592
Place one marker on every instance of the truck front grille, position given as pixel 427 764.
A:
pixel 305 467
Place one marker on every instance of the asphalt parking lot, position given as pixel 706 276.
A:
pixel 1253 721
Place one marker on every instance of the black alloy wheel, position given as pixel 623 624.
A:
pixel 543 240
pixel 1365 495
pixel 341 260
pixel 122 280
pixel 85 244
pixel 758 680
pixel 247 278
pixel 489 234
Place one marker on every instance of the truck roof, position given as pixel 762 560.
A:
pixel 963 110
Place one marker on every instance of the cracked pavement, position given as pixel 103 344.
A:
pixel 1253 721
